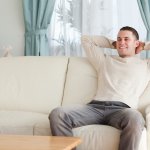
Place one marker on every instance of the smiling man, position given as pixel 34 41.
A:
pixel 121 81
pixel 126 43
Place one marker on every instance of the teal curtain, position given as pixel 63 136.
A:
pixel 144 6
pixel 37 17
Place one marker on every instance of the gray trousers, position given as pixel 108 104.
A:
pixel 113 113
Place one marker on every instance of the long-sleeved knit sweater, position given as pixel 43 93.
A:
pixel 119 79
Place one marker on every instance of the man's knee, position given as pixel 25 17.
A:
pixel 56 115
pixel 134 119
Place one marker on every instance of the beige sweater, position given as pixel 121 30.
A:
pixel 119 79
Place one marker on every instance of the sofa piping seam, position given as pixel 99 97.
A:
pixel 65 81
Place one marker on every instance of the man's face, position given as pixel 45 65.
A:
pixel 126 43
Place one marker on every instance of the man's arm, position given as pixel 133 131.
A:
pixel 99 41
pixel 143 46
pixel 147 45
pixel 92 45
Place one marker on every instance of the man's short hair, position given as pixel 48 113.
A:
pixel 135 33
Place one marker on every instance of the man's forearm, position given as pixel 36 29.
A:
pixel 99 41
pixel 147 45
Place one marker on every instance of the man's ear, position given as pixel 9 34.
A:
pixel 140 47
pixel 137 44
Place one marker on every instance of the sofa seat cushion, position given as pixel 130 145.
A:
pixel 21 122
pixel 148 125
pixel 102 137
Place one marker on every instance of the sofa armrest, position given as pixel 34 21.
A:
pixel 147 110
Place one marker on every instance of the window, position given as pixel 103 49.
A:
pixel 71 18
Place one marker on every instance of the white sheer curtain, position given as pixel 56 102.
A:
pixel 65 30
pixel 72 18
pixel 100 18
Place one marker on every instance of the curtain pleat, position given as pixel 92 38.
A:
pixel 37 17
pixel 144 6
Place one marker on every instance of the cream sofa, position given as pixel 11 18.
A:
pixel 30 87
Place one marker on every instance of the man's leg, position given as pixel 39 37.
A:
pixel 63 119
pixel 131 122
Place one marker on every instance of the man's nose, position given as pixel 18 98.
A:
pixel 122 41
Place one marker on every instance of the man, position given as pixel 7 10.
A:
pixel 121 81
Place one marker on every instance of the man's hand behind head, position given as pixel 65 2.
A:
pixel 140 47
pixel 114 44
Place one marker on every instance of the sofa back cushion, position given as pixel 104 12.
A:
pixel 81 84
pixel 144 99
pixel 32 83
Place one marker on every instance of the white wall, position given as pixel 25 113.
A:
pixel 12 26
